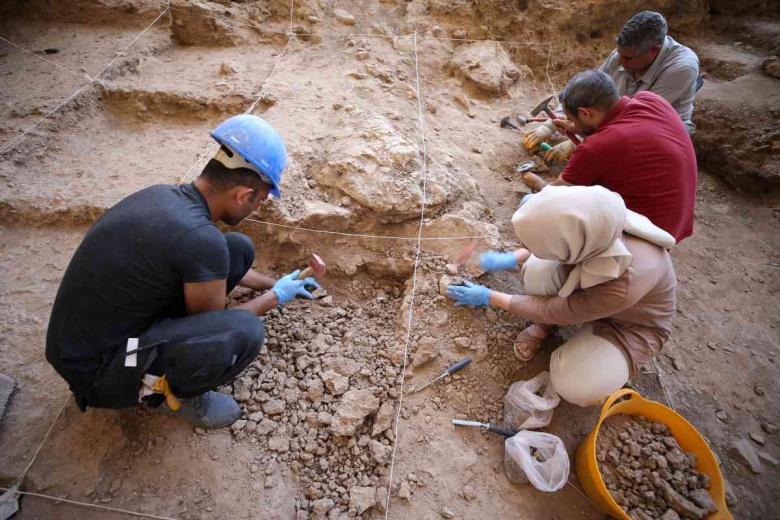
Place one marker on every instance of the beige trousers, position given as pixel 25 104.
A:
pixel 586 369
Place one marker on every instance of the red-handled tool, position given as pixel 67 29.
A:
pixel 466 253
pixel 460 365
pixel 316 267
pixel 545 107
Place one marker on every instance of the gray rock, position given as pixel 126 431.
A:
pixel 670 514
pixel 702 498
pixel 771 66
pixel 334 382
pixel 274 407
pixel 304 362
pixel 405 491
pixel 266 426
pixel 743 451
pixel 344 17
pixel 320 508
pixel 379 452
pixel 682 505
pixel 238 426
pixel 383 419
pixel 638 514
pixel 427 350
pixel 353 409
pixel 381 499
pixel 765 457
pixel 446 512
pixel 769 428
pixel 280 444
pixel 362 498
pixel 469 492
pixel 341 365
pixel 315 389
pixel 242 389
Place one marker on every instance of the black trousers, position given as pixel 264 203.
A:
pixel 196 353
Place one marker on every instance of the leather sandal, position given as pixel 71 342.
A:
pixel 533 343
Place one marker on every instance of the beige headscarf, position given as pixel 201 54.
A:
pixel 583 226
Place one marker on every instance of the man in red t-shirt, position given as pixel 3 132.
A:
pixel 637 147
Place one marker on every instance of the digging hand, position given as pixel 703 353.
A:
pixel 497 261
pixel 469 294
pixel 560 152
pixel 288 287
pixel 538 135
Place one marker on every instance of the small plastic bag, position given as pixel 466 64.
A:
pixel 536 457
pixel 525 409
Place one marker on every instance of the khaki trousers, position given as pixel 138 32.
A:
pixel 586 369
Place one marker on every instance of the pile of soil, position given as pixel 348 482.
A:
pixel 321 398
pixel 648 474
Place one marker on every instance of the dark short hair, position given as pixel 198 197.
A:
pixel 643 31
pixel 589 89
pixel 222 178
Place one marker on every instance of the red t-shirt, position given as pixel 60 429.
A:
pixel 642 152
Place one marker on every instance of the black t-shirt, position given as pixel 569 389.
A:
pixel 129 272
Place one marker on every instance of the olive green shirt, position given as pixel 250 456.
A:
pixel 673 75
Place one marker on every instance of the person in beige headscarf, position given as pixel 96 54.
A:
pixel 587 259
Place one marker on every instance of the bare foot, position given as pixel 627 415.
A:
pixel 533 181
pixel 529 341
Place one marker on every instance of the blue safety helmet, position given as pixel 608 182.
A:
pixel 258 143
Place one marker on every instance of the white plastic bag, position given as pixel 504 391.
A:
pixel 524 409
pixel 536 457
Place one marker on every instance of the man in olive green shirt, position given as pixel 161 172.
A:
pixel 646 59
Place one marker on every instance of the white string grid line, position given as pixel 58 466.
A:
pixel 87 504
pixel 96 79
pixel 20 478
pixel 661 378
pixel 414 280
pixel 361 235
pixel 40 57
pixel 249 110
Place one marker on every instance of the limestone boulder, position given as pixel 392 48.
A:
pixel 380 169
pixel 487 66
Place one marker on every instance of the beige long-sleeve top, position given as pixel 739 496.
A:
pixel 633 312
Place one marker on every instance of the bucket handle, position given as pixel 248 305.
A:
pixel 614 397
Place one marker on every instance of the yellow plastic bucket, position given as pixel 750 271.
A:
pixel 687 437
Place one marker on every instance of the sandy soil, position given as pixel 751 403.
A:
pixel 345 96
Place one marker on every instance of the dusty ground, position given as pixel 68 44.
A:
pixel 345 97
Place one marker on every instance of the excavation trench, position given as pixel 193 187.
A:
pixel 385 107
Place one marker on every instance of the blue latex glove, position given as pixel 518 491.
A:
pixel 287 287
pixel 469 294
pixel 496 261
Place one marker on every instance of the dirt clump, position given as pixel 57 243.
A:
pixel 648 474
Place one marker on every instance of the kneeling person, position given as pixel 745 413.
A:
pixel 140 314
pixel 589 261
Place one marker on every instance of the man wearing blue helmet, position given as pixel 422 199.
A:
pixel 140 314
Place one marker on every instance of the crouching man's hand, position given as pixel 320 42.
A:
pixel 469 294
pixel 288 287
